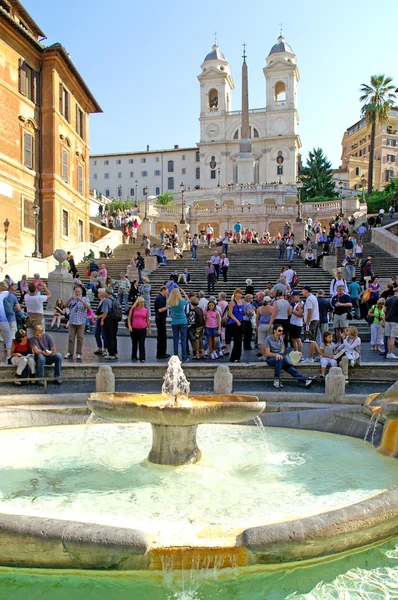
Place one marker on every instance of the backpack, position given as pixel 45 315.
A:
pixel 140 263
pixel 116 312
pixel 295 280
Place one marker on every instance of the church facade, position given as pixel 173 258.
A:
pixel 273 132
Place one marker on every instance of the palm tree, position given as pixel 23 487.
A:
pixel 378 99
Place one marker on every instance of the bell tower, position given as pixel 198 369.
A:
pixel 281 75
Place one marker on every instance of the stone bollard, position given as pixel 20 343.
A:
pixel 223 380
pixel 105 380
pixel 335 384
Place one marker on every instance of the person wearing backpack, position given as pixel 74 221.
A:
pixel 109 322
pixel 140 266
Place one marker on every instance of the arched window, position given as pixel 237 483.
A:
pixel 197 172
pixel 170 183
pixel 213 100
pixel 170 166
pixel 157 191
pixel 107 193
pixel 255 133
pixel 280 93
pixel 236 135
pixel 131 191
pixel 197 156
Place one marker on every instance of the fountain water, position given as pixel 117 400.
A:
pixel 175 417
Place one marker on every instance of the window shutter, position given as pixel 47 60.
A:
pixel 60 98
pixel 22 77
pixel 36 87
pixel 80 179
pixel 65 165
pixel 28 150
pixel 77 120
pixel 68 107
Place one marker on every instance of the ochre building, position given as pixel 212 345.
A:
pixel 44 133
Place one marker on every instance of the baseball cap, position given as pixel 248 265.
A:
pixel 267 299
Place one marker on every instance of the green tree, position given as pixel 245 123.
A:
pixel 383 198
pixel 316 176
pixel 165 198
pixel 377 101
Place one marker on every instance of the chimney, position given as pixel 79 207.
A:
pixel 147 148
pixel 176 146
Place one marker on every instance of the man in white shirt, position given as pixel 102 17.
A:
pixel 202 301
pixel 311 320
pixel 209 234
pixel 336 282
pixel 289 274
pixel 215 261
pixel 34 301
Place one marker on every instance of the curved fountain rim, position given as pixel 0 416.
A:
pixel 93 546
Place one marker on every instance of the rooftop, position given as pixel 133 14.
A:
pixel 281 46
pixel 215 54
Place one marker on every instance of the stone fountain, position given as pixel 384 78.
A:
pixel 174 415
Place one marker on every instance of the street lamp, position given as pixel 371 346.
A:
pixel 364 182
pixel 146 203
pixel 341 185
pixel 182 190
pixel 36 212
pixel 6 226
pixel 299 185
pixel 218 171
pixel 136 193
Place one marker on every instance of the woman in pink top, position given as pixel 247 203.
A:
pixel 102 275
pixel 138 324
pixel 213 327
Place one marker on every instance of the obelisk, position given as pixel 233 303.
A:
pixel 245 160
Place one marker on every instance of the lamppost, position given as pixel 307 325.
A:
pixel 36 212
pixel 136 193
pixel 146 203
pixel 299 185
pixel 218 172
pixel 364 182
pixel 6 226
pixel 182 190
pixel 341 185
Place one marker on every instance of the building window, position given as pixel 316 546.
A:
pixel 143 160
pixel 119 175
pixel 197 172
pixel 390 158
pixel 392 143
pixel 357 171
pixel 5 5
pixel 255 133
pixel 213 100
pixel 95 163
pixel 170 183
pixel 131 191
pixel 157 191
pixel 80 179
pixel 183 157
pixel 156 173
pixel 143 191
pixel 389 174
pixel 106 175
pixel 27 214
pixel 106 162
pixel 107 193
pixel 144 173
pixel 95 176
pixel 28 150
pixel 64 102
pixel 118 161
pixel 80 231
pixel 131 173
pixel 157 159
pixel 65 223
pixel 29 82
pixel 131 160
pixel 197 156
pixel 119 191
pixel 183 171
pixel 236 135
pixel 170 166
pixel 213 174
pixel 65 165
pixel 79 121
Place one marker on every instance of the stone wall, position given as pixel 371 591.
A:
pixel 387 238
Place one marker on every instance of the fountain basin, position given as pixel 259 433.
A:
pixel 174 425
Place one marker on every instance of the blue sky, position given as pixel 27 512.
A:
pixel 141 60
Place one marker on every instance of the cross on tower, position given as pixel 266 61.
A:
pixel 244 52
pixel 215 38
pixel 281 26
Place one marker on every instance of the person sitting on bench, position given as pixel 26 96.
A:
pixel 45 352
